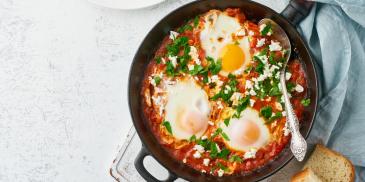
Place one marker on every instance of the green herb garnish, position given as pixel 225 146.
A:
pixel 192 138
pixel 167 126
pixel 290 86
pixel 266 30
pixel 277 115
pixel 226 121
pixel 242 105
pixel 224 153
pixel 196 21
pixel 266 112
pixel 157 79
pixel 185 28
pixel 235 158
pixel 158 59
pixel 305 102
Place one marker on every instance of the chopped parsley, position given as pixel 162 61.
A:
pixel 266 112
pixel 290 86
pixel 214 66
pixel 225 136
pixel 213 150
pixel 167 126
pixel 192 138
pixel 226 121
pixel 242 105
pixel 266 30
pixel 197 69
pixel 224 153
pixel 157 79
pixel 235 158
pixel 174 48
pixel 277 115
pixel 305 102
pixel 158 59
pixel 196 21
pixel 185 28
pixel 275 91
pixel 248 69
pixel 170 69
pixel 221 166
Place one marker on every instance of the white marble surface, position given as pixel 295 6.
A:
pixel 63 74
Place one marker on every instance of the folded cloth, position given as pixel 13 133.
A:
pixel 335 33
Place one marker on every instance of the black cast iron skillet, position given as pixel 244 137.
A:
pixel 288 19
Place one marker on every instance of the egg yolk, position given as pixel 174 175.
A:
pixel 232 57
pixel 249 133
pixel 191 121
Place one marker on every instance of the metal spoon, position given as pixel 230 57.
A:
pixel 298 145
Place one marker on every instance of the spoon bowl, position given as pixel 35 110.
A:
pixel 298 145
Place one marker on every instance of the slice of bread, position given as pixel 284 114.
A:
pixel 307 175
pixel 330 166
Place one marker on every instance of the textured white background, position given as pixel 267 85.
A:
pixel 63 85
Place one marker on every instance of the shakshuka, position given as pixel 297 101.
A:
pixel 212 94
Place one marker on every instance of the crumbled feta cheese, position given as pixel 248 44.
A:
pixel 204 137
pixel 278 106
pixel 218 149
pixel 220 172
pixel 248 84
pixel 220 105
pixel 268 99
pixel 260 42
pixel 287 76
pixel 252 92
pixel 211 123
pixel 262 26
pixel 251 33
pixel 173 35
pixel 173 60
pixel 199 148
pixel 204 171
pixel 263 58
pixel 158 102
pixel 252 102
pixel 152 81
pixel 275 46
pixel 286 129
pixel 235 98
pixel 250 154
pixel 163 60
pixel 190 67
pixel 206 161
pixel 283 113
pixel 277 75
pixel 197 155
pixel 241 32
pixel 194 55
pixel 184 160
pixel 269 33
pixel 299 88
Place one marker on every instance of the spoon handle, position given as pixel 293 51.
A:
pixel 297 10
pixel 298 144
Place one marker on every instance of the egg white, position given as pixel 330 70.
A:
pixel 183 98
pixel 219 26
pixel 236 127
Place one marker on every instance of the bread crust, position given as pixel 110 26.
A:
pixel 332 152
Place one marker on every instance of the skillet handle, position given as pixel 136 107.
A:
pixel 297 10
pixel 138 163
